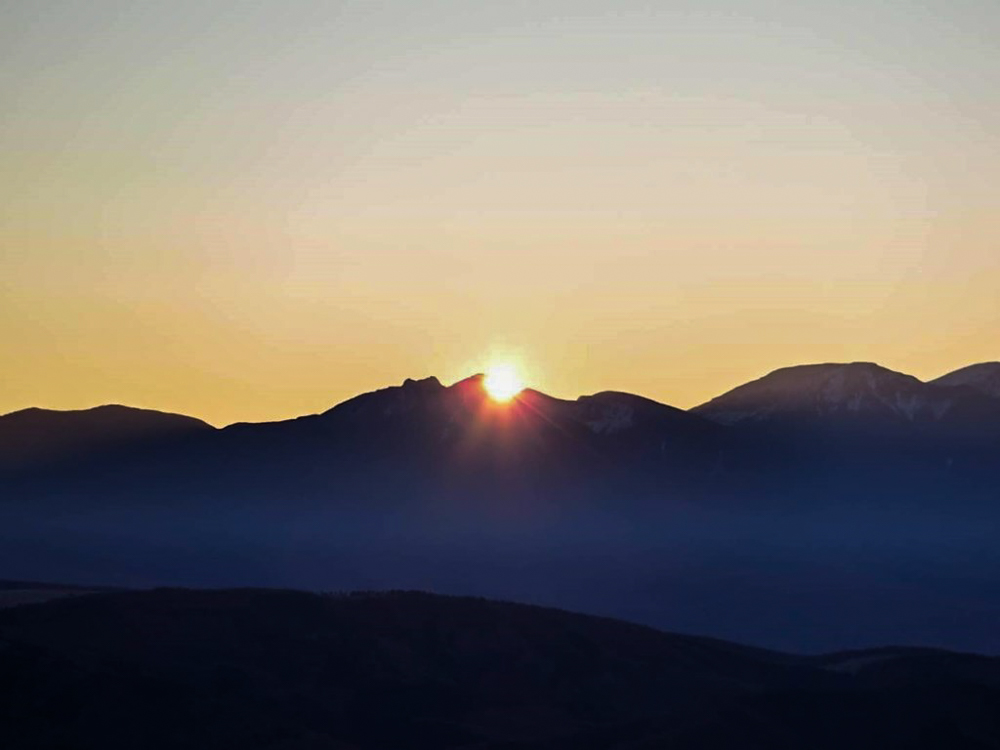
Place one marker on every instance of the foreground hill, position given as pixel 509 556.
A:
pixel 18 593
pixel 281 669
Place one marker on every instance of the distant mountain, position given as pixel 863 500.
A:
pixel 465 402
pixel 40 438
pixel 403 444
pixel 424 415
pixel 983 377
pixel 859 396
pixel 296 671
pixel 809 494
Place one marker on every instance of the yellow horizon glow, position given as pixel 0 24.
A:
pixel 254 211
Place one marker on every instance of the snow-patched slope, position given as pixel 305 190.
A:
pixel 854 390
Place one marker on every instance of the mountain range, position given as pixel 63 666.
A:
pixel 859 397
pixel 858 502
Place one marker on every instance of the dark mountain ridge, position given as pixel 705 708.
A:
pixel 851 505
pixel 423 413
pixel 38 439
pixel 859 395
pixel 373 671
pixel 984 377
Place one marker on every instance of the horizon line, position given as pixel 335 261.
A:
pixel 218 426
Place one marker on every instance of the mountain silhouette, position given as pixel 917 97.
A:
pixel 984 377
pixel 837 495
pixel 865 394
pixel 283 669
pixel 40 438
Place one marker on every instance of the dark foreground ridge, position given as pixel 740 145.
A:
pixel 253 668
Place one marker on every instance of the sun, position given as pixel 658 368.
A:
pixel 502 382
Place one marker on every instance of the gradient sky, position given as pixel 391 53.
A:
pixel 248 211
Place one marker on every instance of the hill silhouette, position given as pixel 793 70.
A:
pixel 984 377
pixel 283 669
pixel 42 438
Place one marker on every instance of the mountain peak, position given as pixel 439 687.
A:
pixel 851 389
pixel 610 412
pixel 423 384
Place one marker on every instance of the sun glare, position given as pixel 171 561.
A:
pixel 502 382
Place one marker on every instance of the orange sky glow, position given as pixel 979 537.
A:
pixel 254 211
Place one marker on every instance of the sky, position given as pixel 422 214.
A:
pixel 249 211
